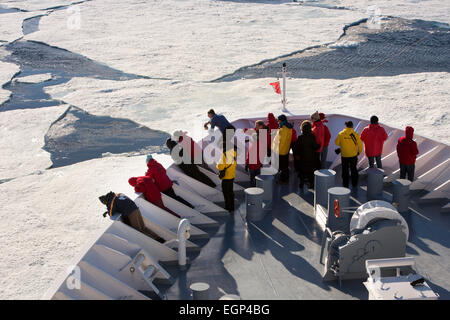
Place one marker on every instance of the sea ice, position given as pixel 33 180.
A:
pixel 7 71
pixel 22 138
pixel 185 40
pixel 37 78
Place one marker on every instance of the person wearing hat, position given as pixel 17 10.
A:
pixel 350 147
pixel 374 137
pixel 407 153
pixel 148 188
pixel 194 151
pixel 189 169
pixel 305 155
pixel 252 161
pixel 158 173
pixel 281 146
pixel 129 211
pixel 271 124
pixel 261 127
pixel 326 142
pixel 318 131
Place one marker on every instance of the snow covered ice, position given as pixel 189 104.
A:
pixel 153 64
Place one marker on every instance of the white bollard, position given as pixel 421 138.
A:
pixel 183 234
pixel 230 297
pixel 200 291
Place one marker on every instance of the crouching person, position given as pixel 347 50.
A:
pixel 131 215
pixel 151 192
pixel 158 173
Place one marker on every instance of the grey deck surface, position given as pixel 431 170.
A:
pixel 278 257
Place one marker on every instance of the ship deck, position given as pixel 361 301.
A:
pixel 278 257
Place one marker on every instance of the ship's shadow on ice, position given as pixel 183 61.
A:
pixel 396 46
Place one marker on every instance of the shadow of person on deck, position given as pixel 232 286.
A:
pixel 281 247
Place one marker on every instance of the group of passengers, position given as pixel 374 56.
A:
pixel 309 149
pixel 270 143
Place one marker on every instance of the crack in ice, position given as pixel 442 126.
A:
pixel 398 46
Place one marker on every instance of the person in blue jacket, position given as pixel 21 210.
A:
pixel 217 120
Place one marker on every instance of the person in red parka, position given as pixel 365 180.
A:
pixel 158 173
pixel 374 137
pixel 260 125
pixel 253 161
pixel 407 152
pixel 272 122
pixel 151 192
pixel 326 141
pixel 318 130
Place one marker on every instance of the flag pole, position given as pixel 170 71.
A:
pixel 283 71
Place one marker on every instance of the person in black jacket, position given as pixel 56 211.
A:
pixel 131 215
pixel 189 169
pixel 305 155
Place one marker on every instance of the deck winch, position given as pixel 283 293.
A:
pixel 376 231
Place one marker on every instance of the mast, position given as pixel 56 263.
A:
pixel 283 101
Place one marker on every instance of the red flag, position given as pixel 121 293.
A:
pixel 276 86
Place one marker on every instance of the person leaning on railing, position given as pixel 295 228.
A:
pixel 148 188
pixel 158 173
pixel 190 169
pixel 130 213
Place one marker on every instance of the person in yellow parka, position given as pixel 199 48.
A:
pixel 228 165
pixel 350 147
pixel 281 145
